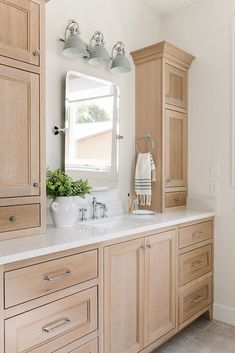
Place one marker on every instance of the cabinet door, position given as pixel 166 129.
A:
pixel 176 81
pixel 20 130
pixel 124 297
pixel 160 301
pixel 176 149
pixel 19 30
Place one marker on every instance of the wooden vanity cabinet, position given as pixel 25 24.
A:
pixel 22 150
pixel 139 292
pixel 20 30
pixel 52 303
pixel 161 111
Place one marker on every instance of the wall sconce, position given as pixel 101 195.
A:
pixel 95 53
pixel 74 47
pixel 120 63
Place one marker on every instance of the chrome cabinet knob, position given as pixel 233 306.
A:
pixel 36 184
pixel 36 52
pixel 13 219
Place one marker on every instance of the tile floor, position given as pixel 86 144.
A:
pixel 202 337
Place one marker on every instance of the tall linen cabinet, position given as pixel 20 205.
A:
pixel 22 190
pixel 162 112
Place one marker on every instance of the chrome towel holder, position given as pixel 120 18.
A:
pixel 147 137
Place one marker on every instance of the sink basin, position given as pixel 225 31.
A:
pixel 112 223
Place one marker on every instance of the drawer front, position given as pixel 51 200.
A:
pixel 34 281
pixel 91 347
pixel 194 264
pixel 19 217
pixel 194 298
pixel 196 233
pixel 174 199
pixel 53 325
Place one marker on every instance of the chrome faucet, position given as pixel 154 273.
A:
pixel 96 204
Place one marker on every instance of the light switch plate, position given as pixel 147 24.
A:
pixel 214 170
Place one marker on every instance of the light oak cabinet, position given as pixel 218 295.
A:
pixel 20 124
pixel 176 149
pixel 51 303
pixel 139 292
pixel 161 111
pixel 20 30
pixel 22 143
pixel 176 86
pixel 195 280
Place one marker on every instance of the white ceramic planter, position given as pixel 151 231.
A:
pixel 64 211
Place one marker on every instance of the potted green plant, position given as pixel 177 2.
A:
pixel 63 191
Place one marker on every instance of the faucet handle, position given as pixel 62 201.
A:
pixel 83 212
pixel 105 210
pixel 94 199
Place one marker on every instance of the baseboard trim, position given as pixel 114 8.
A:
pixel 224 313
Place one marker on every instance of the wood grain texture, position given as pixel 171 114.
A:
pixel 160 281
pixel 195 233
pixel 194 264
pixel 19 145
pixel 194 298
pixel 175 199
pixel 124 297
pixel 149 117
pixel 19 30
pixel 25 332
pixel 175 149
pixel 19 217
pixel 32 282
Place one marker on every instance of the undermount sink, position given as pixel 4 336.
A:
pixel 112 223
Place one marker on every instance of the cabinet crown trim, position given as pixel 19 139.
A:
pixel 162 49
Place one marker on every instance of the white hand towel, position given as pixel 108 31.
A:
pixel 145 174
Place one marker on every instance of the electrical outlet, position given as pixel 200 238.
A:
pixel 214 170
pixel 214 188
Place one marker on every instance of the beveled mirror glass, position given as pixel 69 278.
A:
pixel 92 121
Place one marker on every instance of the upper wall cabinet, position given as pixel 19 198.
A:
pixel 19 119
pixel 162 111
pixel 20 30
pixel 175 81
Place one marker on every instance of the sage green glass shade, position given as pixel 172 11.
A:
pixel 99 56
pixel 120 64
pixel 74 47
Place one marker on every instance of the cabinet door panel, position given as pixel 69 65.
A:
pixel 176 149
pixel 176 81
pixel 124 297
pixel 160 301
pixel 19 30
pixel 19 144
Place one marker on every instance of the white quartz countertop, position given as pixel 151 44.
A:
pixel 92 233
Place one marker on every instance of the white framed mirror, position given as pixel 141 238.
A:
pixel 92 130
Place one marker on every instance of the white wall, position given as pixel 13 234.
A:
pixel 130 21
pixel 203 29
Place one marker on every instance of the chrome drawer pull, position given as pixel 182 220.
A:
pixel 197 299
pixel 56 325
pixel 197 234
pixel 196 263
pixel 56 277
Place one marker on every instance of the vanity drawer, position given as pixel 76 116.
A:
pixel 194 298
pixel 91 347
pixel 19 217
pixel 174 199
pixel 31 282
pixel 54 325
pixel 194 264
pixel 196 233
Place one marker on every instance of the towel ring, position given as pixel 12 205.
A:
pixel 148 138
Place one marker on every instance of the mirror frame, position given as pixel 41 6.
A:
pixel 99 180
